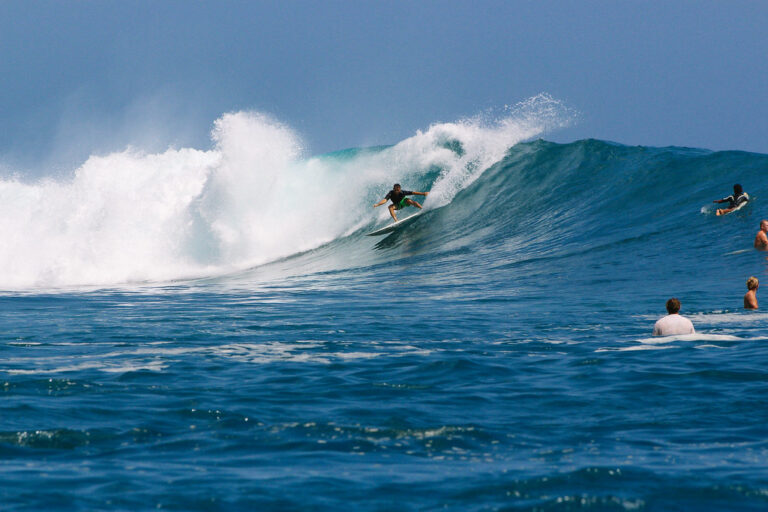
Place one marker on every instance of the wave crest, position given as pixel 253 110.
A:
pixel 253 198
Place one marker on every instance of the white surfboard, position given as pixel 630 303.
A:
pixel 395 225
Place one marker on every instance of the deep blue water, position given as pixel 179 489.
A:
pixel 496 354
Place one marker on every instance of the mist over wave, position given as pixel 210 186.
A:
pixel 254 197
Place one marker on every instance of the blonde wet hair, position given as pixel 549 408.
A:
pixel 752 283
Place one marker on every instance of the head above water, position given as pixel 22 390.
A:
pixel 764 225
pixel 673 306
pixel 737 190
pixel 396 186
pixel 752 283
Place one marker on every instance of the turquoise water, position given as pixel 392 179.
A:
pixel 495 354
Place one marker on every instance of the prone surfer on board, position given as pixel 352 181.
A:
pixel 399 199
pixel 739 197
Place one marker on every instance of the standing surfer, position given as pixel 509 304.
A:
pixel 399 199
pixel 738 198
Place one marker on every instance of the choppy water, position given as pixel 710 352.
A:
pixel 493 355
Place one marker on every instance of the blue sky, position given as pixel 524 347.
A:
pixel 85 77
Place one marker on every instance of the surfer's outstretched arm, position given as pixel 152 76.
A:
pixel 380 203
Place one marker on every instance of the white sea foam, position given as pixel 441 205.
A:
pixel 665 342
pixel 658 340
pixel 157 358
pixel 723 318
pixel 104 366
pixel 633 348
pixel 253 198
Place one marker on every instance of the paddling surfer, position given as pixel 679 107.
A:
pixel 738 197
pixel 399 199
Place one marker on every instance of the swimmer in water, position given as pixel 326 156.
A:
pixel 761 240
pixel 673 323
pixel 750 298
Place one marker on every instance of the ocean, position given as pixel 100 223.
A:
pixel 212 330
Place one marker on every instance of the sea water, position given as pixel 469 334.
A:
pixel 211 329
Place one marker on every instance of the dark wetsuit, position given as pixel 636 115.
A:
pixel 398 198
pixel 733 201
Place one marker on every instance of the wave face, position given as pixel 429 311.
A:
pixel 586 213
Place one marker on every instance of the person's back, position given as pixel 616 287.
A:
pixel 738 198
pixel 750 299
pixel 673 323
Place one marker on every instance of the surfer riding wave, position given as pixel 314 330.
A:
pixel 399 199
